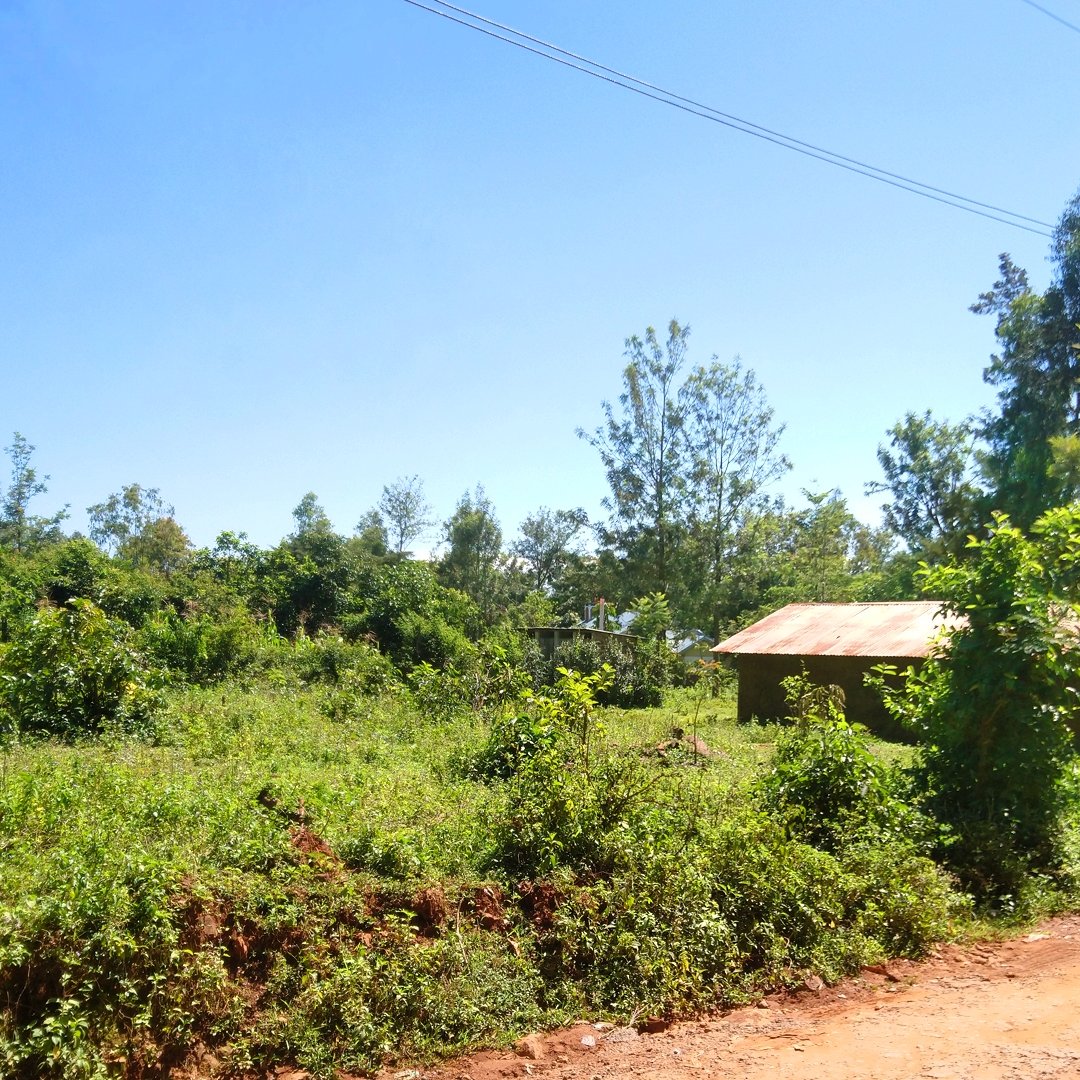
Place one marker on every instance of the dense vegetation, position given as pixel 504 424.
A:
pixel 321 803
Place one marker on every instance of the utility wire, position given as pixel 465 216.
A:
pixel 705 112
pixel 1047 12
pixel 736 119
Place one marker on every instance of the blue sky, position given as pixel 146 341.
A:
pixel 256 249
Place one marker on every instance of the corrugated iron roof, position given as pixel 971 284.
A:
pixel 876 630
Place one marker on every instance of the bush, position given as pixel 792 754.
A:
pixel 992 708
pixel 202 649
pixel 329 658
pixel 826 785
pixel 74 671
pixel 430 639
pixel 639 674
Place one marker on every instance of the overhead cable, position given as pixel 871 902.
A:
pixel 1047 12
pixel 549 51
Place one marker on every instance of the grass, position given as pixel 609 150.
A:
pixel 284 878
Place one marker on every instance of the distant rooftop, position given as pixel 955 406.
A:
pixel 876 630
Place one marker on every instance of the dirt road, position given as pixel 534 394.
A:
pixel 990 1012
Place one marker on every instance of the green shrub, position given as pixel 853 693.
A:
pixel 200 648
pixel 257 882
pixel 397 999
pixel 639 674
pixel 825 783
pixel 516 737
pixel 992 708
pixel 484 681
pixel 430 639
pixel 329 658
pixel 74 671
pixel 75 568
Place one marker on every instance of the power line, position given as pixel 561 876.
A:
pixel 665 97
pixel 1049 14
pixel 736 119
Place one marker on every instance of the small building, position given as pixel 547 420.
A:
pixel 835 644
pixel 691 648
pixel 550 638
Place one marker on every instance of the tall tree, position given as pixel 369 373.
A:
pixel 405 511
pixel 471 563
pixel 928 470
pixel 162 546
pixel 732 447
pixel 1037 373
pixel 641 447
pixel 19 529
pixel 307 577
pixel 233 561
pixel 135 524
pixel 546 543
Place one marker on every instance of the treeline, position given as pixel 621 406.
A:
pixel 692 456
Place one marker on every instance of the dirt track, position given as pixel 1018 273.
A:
pixel 990 1012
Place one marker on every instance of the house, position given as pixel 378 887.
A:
pixel 550 638
pixel 690 646
pixel 835 644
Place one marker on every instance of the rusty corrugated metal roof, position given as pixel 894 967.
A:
pixel 876 630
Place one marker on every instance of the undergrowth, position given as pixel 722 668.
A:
pixel 314 874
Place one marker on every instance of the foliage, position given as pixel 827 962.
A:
pixel 395 596
pixel 825 783
pixel 734 455
pixel 201 648
pixel 547 542
pixel 137 526
pixel 928 474
pixel 641 451
pixel 542 724
pixel 406 511
pixel 652 618
pixel 20 530
pixel 482 681
pixel 535 609
pixel 639 677
pixel 688 465
pixel 471 561
pixel 370 537
pixel 821 553
pixel 431 639
pixel 280 882
pixel 993 706
pixel 644 897
pixel 73 671
pixel 1037 372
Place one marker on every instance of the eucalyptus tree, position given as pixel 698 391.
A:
pixel 471 563
pixel 308 578
pixel 370 538
pixel 642 449
pixel 732 451
pixel 136 525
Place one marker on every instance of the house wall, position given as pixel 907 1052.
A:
pixel 762 697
